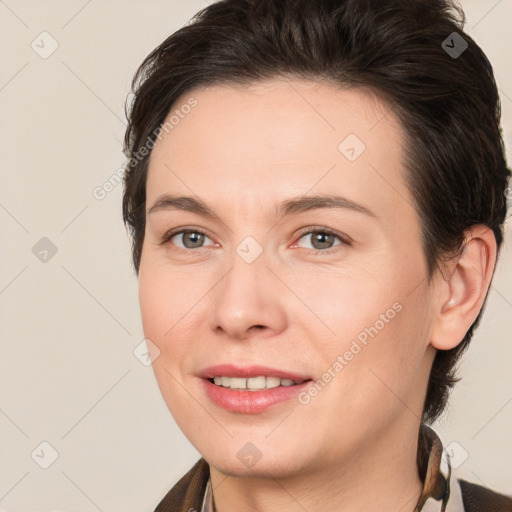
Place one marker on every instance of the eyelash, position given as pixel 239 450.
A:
pixel 307 231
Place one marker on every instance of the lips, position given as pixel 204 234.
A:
pixel 251 401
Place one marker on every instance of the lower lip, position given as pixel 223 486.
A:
pixel 251 402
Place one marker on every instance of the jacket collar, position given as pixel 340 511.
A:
pixel 435 484
pixel 194 492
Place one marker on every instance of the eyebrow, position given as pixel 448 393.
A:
pixel 290 206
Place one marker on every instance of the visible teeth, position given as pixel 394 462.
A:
pixel 256 382
pixel 252 383
pixel 236 382
pixel 273 382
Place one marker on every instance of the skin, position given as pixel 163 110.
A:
pixel 242 150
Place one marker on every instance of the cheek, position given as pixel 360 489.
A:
pixel 163 302
pixel 381 337
pixel 164 291
pixel 354 306
pixel 154 301
pixel 390 371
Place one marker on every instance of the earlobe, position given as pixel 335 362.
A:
pixel 465 289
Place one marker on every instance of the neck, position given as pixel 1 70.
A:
pixel 382 475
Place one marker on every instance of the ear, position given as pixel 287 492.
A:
pixel 464 288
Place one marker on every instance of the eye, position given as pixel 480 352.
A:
pixel 186 238
pixel 323 240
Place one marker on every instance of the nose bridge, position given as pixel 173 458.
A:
pixel 248 258
pixel 245 298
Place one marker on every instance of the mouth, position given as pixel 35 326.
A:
pixel 253 389
pixel 258 383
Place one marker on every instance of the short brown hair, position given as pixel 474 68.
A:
pixel 403 50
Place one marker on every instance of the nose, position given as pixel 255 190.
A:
pixel 248 300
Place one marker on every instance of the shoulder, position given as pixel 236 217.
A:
pixel 477 498
pixel 187 494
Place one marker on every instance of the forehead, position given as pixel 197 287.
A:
pixel 261 143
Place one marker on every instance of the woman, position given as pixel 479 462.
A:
pixel 316 193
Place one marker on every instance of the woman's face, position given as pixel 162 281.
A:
pixel 274 276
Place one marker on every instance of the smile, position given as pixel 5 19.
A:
pixel 252 383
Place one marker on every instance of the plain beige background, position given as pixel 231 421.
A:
pixel 69 377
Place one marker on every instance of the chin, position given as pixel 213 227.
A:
pixel 242 457
pixel 231 466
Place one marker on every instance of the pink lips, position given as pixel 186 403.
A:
pixel 250 402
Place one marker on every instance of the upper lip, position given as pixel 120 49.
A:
pixel 231 370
